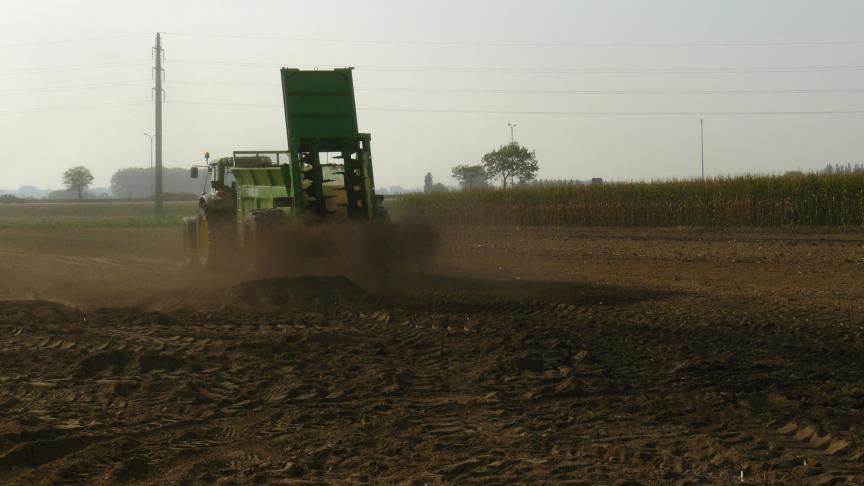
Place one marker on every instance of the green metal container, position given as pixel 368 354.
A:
pixel 319 105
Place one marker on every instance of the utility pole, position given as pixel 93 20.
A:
pixel 702 145
pixel 157 196
pixel 151 162
pixel 512 137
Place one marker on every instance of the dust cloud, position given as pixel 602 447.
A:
pixel 146 267
pixel 369 254
pixel 91 268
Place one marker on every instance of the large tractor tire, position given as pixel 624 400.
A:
pixel 215 241
pixel 262 238
pixel 190 240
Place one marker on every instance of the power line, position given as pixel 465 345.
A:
pixel 228 103
pixel 457 69
pixel 74 87
pixel 524 44
pixel 224 83
pixel 519 70
pixel 548 91
pixel 619 113
pixel 73 67
pixel 616 92
pixel 447 43
pixel 73 107
pixel 452 111
pixel 69 41
pixel 509 70
pixel 554 113
pixel 246 64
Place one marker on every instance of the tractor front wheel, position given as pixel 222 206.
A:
pixel 190 240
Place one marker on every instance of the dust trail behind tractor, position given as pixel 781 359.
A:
pixel 366 253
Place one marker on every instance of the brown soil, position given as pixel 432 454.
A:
pixel 525 357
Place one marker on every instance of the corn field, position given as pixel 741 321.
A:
pixel 748 201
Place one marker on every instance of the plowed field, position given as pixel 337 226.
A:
pixel 543 356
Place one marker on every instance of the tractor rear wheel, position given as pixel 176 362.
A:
pixel 261 240
pixel 216 241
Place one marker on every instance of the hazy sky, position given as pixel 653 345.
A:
pixel 99 91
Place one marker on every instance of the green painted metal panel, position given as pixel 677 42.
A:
pixel 259 186
pixel 318 104
pixel 261 176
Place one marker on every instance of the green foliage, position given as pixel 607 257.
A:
pixel 439 187
pixel 842 169
pixel 77 179
pixel 511 161
pixel 749 201
pixel 471 176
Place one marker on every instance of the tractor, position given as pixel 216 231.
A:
pixel 265 206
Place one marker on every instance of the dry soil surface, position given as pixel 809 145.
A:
pixel 525 356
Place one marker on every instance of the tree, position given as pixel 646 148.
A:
pixel 511 161
pixel 427 183
pixel 77 179
pixel 470 176
pixel 438 187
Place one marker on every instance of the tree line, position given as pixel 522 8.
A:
pixel 832 169
pixel 133 182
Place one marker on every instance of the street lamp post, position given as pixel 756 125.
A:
pixel 702 145
pixel 512 137
pixel 151 162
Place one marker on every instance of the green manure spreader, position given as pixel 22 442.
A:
pixel 309 208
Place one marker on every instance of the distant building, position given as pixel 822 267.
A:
pixel 396 190
pixel 556 182
pixel 596 181
pixel 428 183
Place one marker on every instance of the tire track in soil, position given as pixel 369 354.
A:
pixel 431 386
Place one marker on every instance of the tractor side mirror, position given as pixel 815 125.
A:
pixel 194 173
